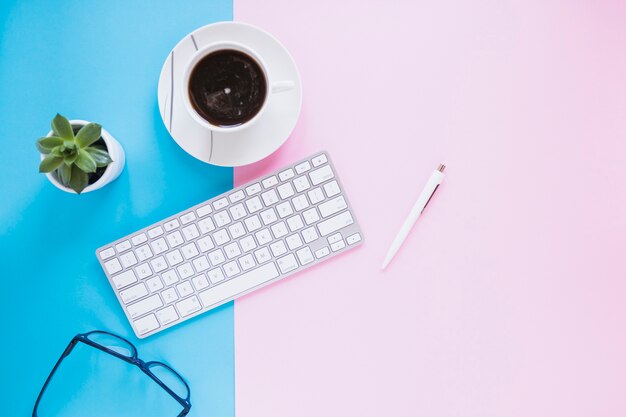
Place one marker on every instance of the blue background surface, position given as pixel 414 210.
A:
pixel 98 61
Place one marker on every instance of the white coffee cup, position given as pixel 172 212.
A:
pixel 273 87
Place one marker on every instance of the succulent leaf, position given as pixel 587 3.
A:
pixel 79 179
pixel 50 163
pixel 85 162
pixel 62 127
pixel 57 151
pixel 88 134
pixel 69 159
pixel 65 174
pixel 100 156
pixel 46 144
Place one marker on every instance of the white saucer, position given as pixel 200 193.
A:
pixel 236 148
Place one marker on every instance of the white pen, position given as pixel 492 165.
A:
pixel 419 206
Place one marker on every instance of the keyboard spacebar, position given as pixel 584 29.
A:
pixel 238 285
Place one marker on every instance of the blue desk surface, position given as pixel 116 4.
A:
pixel 100 61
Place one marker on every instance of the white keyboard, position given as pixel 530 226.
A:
pixel 230 245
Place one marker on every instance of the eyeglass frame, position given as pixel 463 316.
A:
pixel 133 360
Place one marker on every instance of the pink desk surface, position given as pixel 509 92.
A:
pixel 508 299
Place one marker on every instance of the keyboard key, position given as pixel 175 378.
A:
pixel 189 250
pixel 316 195
pixel 338 245
pixel 295 223
pixel 253 189
pixel 170 277
pixel 206 225
pixel 303 167
pixel 143 252
pixel 113 266
pixel 320 253
pixel 253 223
pixel 270 181
pixel 285 190
pixel 158 246
pixel 331 189
pixel 185 271
pixel 171 225
pixel 221 237
pixel 301 183
pixel 123 246
pixel 220 204
pixel 188 306
pixel 184 289
pixel 155 232
pixel 205 244
pixel 142 307
pixel 294 241
pixel 286 174
pixel 305 256
pixel 332 206
pixel 216 275
pixel 270 197
pixel 334 238
pixel 143 271
pixel 284 209
pixel 188 217
pixel 321 175
pixel 309 235
pixel 146 324
pixel 154 284
pixel 236 230
pixel 244 282
pixel 159 264
pixel 175 239
pixel 254 205
pixel 247 262
pixel 319 160
pixel 174 257
pixel 279 230
pixel 300 202
pixel 231 269
pixel 221 218
pixel 169 295
pixel 237 212
pixel 262 255
pixel 200 282
pixel 128 259
pixel 201 264
pixel 139 239
pixel 335 223
pixel 216 257
pixel 190 232
pixel 167 315
pixel 204 210
pixel 278 248
pixel 287 263
pixel 124 279
pixel 263 236
pixel 232 250
pixel 107 253
pixel 133 293
pixel 352 239
pixel 236 196
pixel 269 216
pixel 310 216
pixel 247 244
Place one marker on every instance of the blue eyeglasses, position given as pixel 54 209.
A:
pixel 120 348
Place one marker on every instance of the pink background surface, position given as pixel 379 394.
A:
pixel 508 297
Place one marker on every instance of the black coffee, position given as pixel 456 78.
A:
pixel 227 88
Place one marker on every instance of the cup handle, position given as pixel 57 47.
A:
pixel 282 86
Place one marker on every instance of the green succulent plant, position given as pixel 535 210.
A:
pixel 73 157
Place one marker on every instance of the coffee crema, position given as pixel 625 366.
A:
pixel 227 88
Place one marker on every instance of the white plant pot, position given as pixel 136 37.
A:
pixel 113 170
